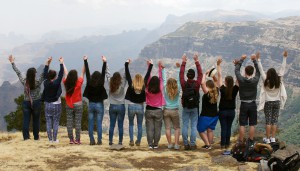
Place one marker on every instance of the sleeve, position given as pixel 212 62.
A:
pixel 257 73
pixel 282 68
pixel 161 81
pixel 19 74
pixel 46 69
pixel 60 75
pixel 107 73
pixel 87 71
pixel 80 81
pixel 124 81
pixel 261 70
pixel 199 71
pixel 102 73
pixel 238 71
pixel 41 77
pixel 147 76
pixel 178 79
pixel 181 74
pixel 164 76
pixel 128 76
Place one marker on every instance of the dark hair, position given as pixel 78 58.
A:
pixel 115 82
pixel 153 86
pixel 229 87
pixel 30 78
pixel 272 79
pixel 249 70
pixel 190 74
pixel 71 82
pixel 96 79
pixel 51 74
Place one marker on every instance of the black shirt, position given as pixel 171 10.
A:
pixel 52 89
pixel 98 93
pixel 228 104
pixel 208 109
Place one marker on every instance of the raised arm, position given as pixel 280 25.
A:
pixel 257 73
pixel 65 70
pixel 283 65
pixel 147 76
pixel 161 81
pixel 219 70
pixel 203 84
pixel 238 64
pixel 87 73
pixel 177 77
pixel 182 69
pixel 61 71
pixel 83 68
pixel 128 76
pixel 260 67
pixel 103 69
pixel 19 74
pixel 199 69
pixel 46 69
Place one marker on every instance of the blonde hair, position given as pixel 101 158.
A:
pixel 212 91
pixel 172 88
pixel 138 82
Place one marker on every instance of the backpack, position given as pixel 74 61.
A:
pixel 291 163
pixel 261 151
pixel 190 97
pixel 238 151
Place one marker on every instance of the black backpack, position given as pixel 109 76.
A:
pixel 238 152
pixel 291 163
pixel 190 97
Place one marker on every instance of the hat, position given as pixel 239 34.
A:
pixel 212 72
pixel 190 74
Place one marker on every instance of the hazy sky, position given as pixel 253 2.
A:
pixel 40 16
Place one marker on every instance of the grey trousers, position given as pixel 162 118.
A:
pixel 74 116
pixel 153 126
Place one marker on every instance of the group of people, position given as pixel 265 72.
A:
pixel 157 99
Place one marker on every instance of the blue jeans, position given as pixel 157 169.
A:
pixel 95 110
pixel 35 112
pixel 116 112
pixel 226 118
pixel 187 116
pixel 138 110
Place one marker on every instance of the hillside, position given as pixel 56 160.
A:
pixel 62 156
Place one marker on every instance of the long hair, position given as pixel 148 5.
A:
pixel 153 86
pixel 30 78
pixel 212 92
pixel 96 79
pixel 172 88
pixel 51 74
pixel 272 80
pixel 115 82
pixel 71 82
pixel 138 82
pixel 229 87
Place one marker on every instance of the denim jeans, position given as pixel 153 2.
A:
pixel 35 111
pixel 226 118
pixel 189 115
pixel 138 110
pixel 116 112
pixel 95 110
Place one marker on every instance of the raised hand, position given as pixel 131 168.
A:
pixel 49 60
pixel 244 57
pixel 257 55
pixel 61 60
pixel 184 58
pixel 160 64
pixel 196 58
pixel 285 54
pixel 149 62
pixel 103 58
pixel 253 57
pixel 177 64
pixel 219 61
pixel 235 61
pixel 11 59
pixel 129 61
pixel 85 57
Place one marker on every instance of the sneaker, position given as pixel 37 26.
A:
pixel 193 147
pixel 110 143
pixel 99 142
pixel 131 143
pixel 56 141
pixel 137 143
pixel 92 143
pixel 266 140
pixel 208 147
pixel 272 139
pixel 72 141
pixel 120 143
pixel 50 141
pixel 226 152
pixel 176 147
pixel 187 147
pixel 77 142
pixel 150 147
pixel 170 146
pixel 155 147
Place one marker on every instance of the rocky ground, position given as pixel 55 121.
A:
pixel 16 154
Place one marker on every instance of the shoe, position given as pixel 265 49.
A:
pixel 266 140
pixel 77 142
pixel 226 152
pixel 110 143
pixel 131 143
pixel 155 147
pixel 176 147
pixel 99 142
pixel 137 143
pixel 208 147
pixel 170 146
pixel 92 143
pixel 250 143
pixel 223 147
pixel 72 141
pixel 150 147
pixel 187 147
pixel 56 141
pixel 50 141
pixel 226 146
pixel 193 147
pixel 272 140
pixel 120 143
